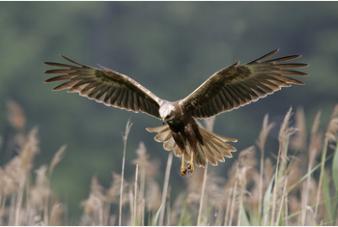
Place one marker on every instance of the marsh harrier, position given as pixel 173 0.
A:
pixel 225 90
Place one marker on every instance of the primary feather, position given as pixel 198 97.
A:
pixel 104 85
pixel 238 85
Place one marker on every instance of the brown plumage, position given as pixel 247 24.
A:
pixel 227 89
pixel 104 85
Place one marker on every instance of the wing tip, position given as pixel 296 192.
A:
pixel 66 58
pixel 269 54
pixel 72 61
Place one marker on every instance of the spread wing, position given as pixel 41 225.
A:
pixel 105 86
pixel 238 85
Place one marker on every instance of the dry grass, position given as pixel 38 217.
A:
pixel 299 186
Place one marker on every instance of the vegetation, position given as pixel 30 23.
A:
pixel 298 186
pixel 170 47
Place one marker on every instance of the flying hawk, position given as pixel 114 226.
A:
pixel 225 90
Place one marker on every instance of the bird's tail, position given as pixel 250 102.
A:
pixel 214 149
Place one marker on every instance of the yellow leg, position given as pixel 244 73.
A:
pixel 183 169
pixel 187 168
pixel 191 166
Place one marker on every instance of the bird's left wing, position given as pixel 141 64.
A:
pixel 240 84
pixel 105 86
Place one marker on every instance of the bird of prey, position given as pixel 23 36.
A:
pixel 225 90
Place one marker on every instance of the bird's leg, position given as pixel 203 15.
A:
pixel 191 137
pixel 183 169
pixel 180 143
pixel 190 166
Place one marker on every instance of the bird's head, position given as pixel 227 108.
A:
pixel 167 111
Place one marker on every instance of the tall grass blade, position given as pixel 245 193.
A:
pixel 335 180
pixel 157 215
pixel 243 218
pixel 125 140
pixel 281 204
pixel 335 169
pixel 135 221
pixel 262 138
pixel 328 201
pixel 322 172
pixel 205 175
pixel 165 187
pixel 267 203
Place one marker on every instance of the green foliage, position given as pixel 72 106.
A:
pixel 335 168
pixel 335 180
pixel 157 215
pixel 328 201
pixel 185 217
pixel 243 218
pixel 267 203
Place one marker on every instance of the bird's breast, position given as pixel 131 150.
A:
pixel 176 125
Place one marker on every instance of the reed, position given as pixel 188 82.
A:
pixel 298 186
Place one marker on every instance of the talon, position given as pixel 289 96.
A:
pixel 187 169
pixel 190 165
pixel 190 168
pixel 183 172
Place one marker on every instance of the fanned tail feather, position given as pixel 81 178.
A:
pixel 215 148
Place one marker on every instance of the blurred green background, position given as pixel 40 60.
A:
pixel 170 47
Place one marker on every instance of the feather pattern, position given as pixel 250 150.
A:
pixel 214 150
pixel 238 85
pixel 105 86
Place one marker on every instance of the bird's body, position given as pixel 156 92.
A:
pixel 182 134
pixel 184 130
pixel 227 89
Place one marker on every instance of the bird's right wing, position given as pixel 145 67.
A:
pixel 105 86
pixel 241 84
